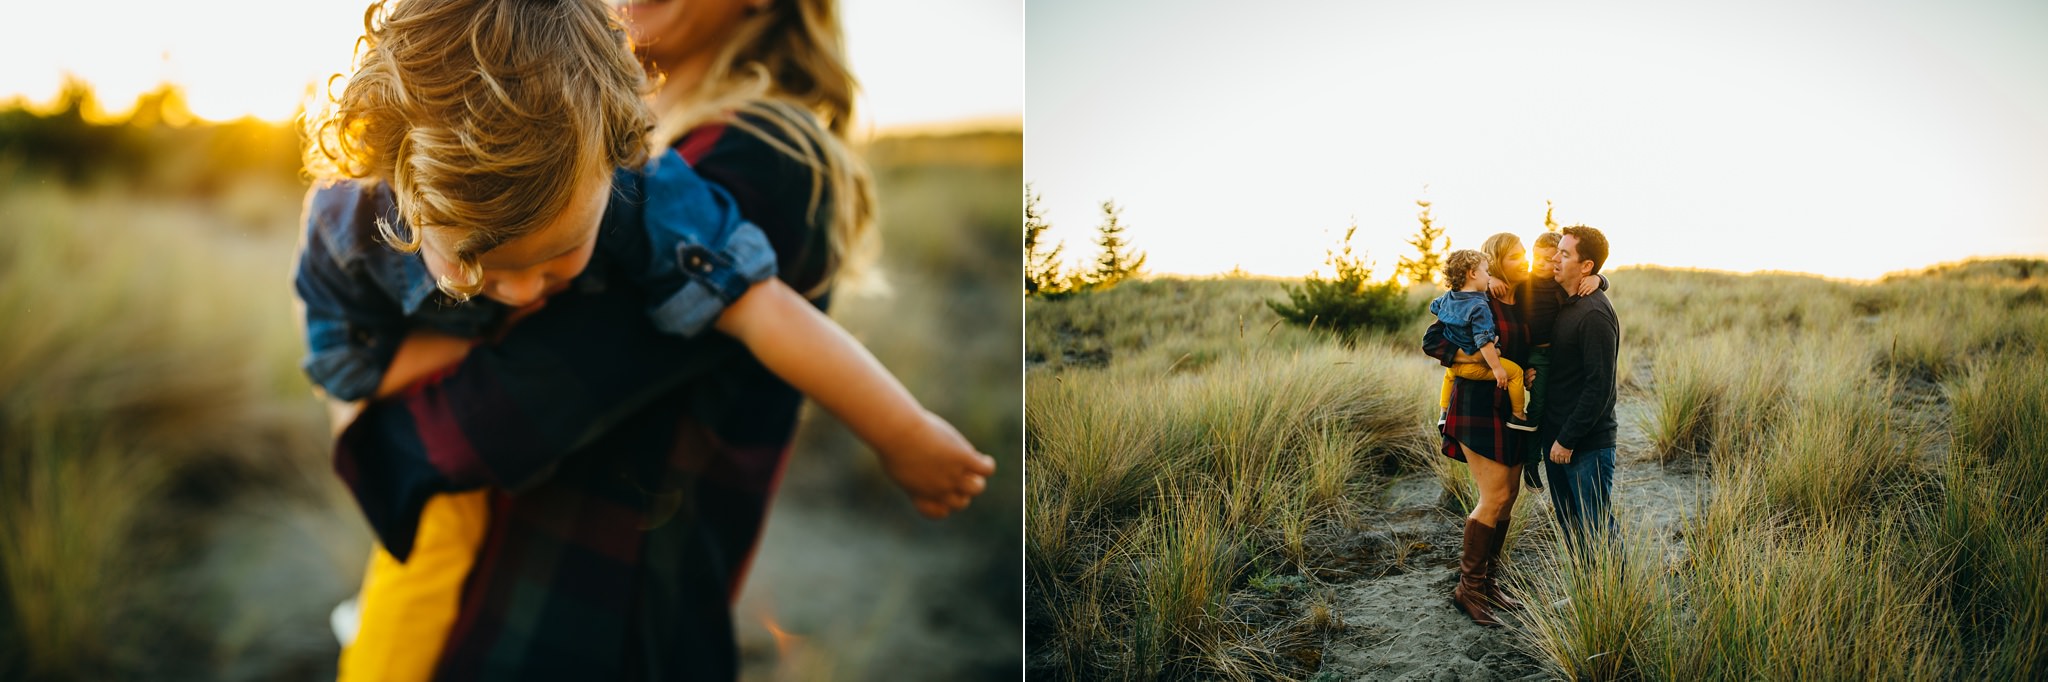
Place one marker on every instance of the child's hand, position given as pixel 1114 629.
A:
pixel 1500 376
pixel 1587 285
pixel 1496 286
pixel 1529 377
pixel 937 466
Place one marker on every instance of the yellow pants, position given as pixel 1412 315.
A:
pixel 1479 371
pixel 408 608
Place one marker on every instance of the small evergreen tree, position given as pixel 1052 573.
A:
pixel 1429 258
pixel 1549 222
pixel 1041 270
pixel 1348 303
pixel 1119 261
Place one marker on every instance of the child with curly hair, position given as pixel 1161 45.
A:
pixel 1469 325
pixel 485 157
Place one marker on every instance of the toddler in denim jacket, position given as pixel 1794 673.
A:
pixel 1468 322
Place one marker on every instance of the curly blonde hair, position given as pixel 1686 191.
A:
pixel 482 116
pixel 1461 265
pixel 785 64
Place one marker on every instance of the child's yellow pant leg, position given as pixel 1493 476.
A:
pixel 1443 401
pixel 1478 371
pixel 408 608
pixel 1518 395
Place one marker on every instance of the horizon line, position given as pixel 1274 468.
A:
pixel 2039 257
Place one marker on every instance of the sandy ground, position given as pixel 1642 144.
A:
pixel 873 591
pixel 1401 624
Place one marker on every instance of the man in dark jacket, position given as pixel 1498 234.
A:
pixel 1580 426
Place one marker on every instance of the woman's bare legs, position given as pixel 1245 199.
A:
pixel 1498 484
pixel 1485 530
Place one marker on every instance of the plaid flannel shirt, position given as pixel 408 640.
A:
pixel 1479 410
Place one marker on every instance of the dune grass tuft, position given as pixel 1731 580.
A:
pixel 1835 544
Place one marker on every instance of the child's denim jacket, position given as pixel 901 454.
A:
pixel 665 230
pixel 1468 319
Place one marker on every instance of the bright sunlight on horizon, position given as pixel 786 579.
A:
pixel 236 58
pixel 1837 138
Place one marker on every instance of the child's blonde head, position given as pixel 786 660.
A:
pixel 1461 266
pixel 782 59
pixel 482 116
pixel 1546 246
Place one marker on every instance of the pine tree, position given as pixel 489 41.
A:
pixel 1118 261
pixel 1549 222
pixel 1348 303
pixel 1429 258
pixel 1041 270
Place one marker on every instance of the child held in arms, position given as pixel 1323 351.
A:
pixel 486 157
pixel 1469 325
pixel 1545 296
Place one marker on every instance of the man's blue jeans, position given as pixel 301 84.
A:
pixel 1582 494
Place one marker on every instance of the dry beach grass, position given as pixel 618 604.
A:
pixel 1870 454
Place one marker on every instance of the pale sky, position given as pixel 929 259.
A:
pixel 1842 138
pixel 921 63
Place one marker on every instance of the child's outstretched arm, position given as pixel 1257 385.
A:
pixel 923 453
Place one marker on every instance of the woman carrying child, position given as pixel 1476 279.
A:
pixel 647 462
pixel 1477 427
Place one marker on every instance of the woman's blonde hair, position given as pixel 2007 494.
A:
pixel 785 64
pixel 482 116
pixel 1497 248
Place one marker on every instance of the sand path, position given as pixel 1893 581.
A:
pixel 1400 624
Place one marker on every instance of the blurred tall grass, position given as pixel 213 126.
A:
pixel 948 326
pixel 147 376
pixel 166 503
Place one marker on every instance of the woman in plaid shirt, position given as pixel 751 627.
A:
pixel 639 503
pixel 1475 430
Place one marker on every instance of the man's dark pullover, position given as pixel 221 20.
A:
pixel 1581 375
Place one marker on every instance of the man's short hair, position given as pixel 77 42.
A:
pixel 1592 245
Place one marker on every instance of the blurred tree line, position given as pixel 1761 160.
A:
pixel 159 148
pixel 1046 274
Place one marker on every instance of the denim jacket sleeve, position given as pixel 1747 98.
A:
pixel 694 255
pixel 352 326
pixel 1484 330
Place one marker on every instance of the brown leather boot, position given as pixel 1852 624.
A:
pixel 1470 594
pixel 1495 541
